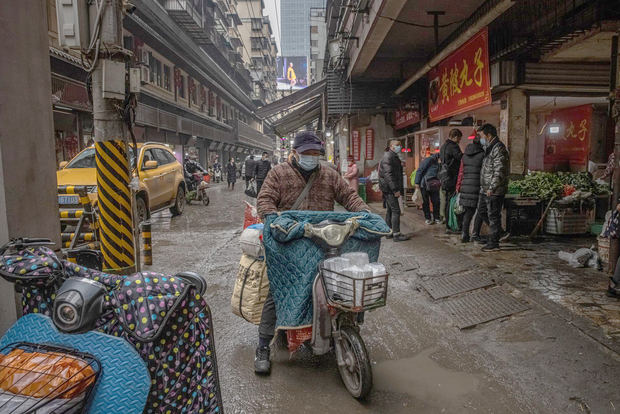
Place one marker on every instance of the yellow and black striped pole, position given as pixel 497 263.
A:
pixel 114 200
pixel 147 243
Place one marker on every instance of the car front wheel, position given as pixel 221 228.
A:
pixel 179 203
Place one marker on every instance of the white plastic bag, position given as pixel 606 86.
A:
pixel 417 197
pixel 374 176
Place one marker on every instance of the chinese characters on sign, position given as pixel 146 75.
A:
pixel 567 137
pixel 407 116
pixel 370 143
pixel 356 143
pixel 461 82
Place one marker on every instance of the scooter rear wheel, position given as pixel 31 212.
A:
pixel 205 198
pixel 356 373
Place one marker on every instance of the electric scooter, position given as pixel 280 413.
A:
pixel 339 302
pixel 86 345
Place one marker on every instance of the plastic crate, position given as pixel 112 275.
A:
pixel 567 221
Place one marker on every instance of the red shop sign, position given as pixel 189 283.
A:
pixel 567 137
pixel 370 144
pixel 356 143
pixel 461 82
pixel 406 117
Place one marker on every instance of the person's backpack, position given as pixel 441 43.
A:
pixel 444 175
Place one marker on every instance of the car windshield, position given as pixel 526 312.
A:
pixel 86 159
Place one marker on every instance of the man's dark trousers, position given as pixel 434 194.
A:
pixel 392 215
pixel 267 327
pixel 259 184
pixel 494 204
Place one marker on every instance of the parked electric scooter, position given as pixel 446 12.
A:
pixel 339 302
pixel 95 343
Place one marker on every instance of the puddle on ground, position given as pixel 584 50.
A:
pixel 423 378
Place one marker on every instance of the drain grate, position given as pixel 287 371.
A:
pixel 483 306
pixel 442 287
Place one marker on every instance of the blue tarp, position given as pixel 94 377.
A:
pixel 292 260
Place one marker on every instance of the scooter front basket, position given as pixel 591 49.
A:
pixel 354 295
pixel 37 378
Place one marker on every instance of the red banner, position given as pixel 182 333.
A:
pixel 370 144
pixel 461 82
pixel 356 143
pixel 567 137
pixel 407 117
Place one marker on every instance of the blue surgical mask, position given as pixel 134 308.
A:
pixel 397 148
pixel 308 162
pixel 483 142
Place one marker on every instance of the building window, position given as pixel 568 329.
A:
pixel 314 56
pixel 314 29
pixel 314 43
pixel 167 85
pixel 257 24
pixel 256 43
pixel 182 86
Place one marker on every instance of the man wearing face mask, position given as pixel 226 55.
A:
pixel 493 184
pixel 282 187
pixel 391 185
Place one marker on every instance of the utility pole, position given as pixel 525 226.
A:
pixel 113 172
pixel 614 114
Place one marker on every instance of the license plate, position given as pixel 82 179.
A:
pixel 68 199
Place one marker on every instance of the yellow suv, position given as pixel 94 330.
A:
pixel 162 184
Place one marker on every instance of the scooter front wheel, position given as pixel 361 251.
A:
pixel 205 198
pixel 354 363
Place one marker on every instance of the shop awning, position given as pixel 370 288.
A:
pixel 295 99
pixel 298 117
pixel 213 145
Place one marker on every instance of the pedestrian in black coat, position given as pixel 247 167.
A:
pixel 231 173
pixel 468 185
pixel 450 155
pixel 391 185
pixel 261 168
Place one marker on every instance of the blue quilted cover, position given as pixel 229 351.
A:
pixel 292 260
pixel 124 377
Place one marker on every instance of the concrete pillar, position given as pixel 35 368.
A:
pixel 513 128
pixel 28 195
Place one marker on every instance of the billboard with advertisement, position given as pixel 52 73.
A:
pixel 292 72
pixel 461 82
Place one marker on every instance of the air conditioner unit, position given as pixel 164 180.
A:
pixel 144 67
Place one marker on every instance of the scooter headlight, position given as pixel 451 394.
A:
pixel 78 305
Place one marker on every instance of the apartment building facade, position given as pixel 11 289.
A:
pixel 195 88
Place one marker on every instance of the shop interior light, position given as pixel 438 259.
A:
pixel 554 127
pixel 328 134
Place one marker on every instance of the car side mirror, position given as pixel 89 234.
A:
pixel 150 165
pixel 62 164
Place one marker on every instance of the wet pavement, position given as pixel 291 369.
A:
pixel 537 361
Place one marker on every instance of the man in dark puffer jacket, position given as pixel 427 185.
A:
pixel 493 184
pixel 468 184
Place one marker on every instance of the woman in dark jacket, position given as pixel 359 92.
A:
pixel 231 174
pixel 468 185
pixel 428 183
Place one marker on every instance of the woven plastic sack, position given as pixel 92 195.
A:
pixel 251 289
pixel 250 216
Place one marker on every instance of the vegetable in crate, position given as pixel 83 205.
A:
pixel 541 185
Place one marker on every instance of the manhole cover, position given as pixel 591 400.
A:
pixel 442 287
pixel 482 306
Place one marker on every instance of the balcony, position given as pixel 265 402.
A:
pixel 249 136
pixel 188 15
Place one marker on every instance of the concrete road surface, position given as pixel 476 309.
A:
pixel 532 362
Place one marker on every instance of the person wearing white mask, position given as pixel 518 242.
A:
pixel 282 190
pixel 391 185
